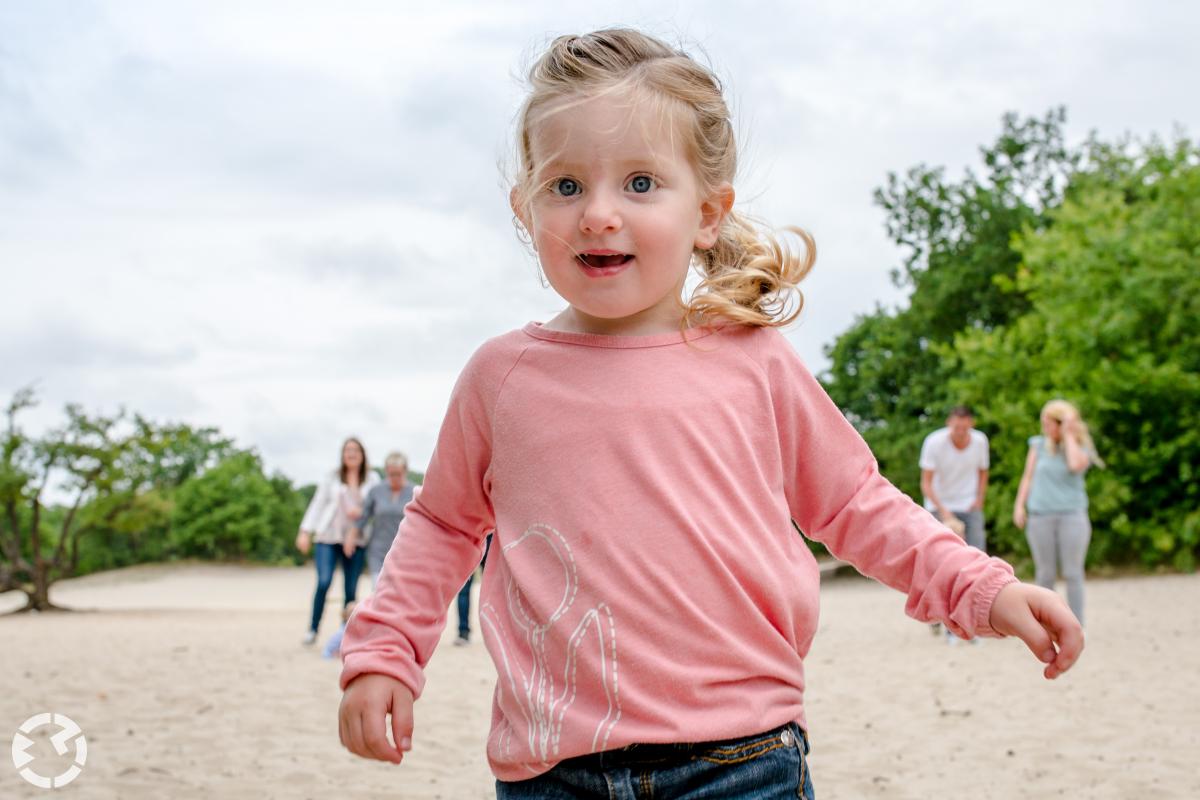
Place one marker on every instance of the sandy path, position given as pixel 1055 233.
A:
pixel 190 682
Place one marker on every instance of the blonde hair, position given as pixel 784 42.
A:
pixel 748 276
pixel 1059 410
pixel 396 459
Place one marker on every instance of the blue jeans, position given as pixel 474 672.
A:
pixel 464 595
pixel 464 608
pixel 327 557
pixel 766 766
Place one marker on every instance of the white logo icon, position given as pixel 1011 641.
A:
pixel 68 731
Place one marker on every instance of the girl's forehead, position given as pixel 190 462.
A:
pixel 606 127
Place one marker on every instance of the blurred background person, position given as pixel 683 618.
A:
pixel 1052 501
pixel 330 520
pixel 382 511
pixel 954 474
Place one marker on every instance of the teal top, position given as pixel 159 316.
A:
pixel 1054 489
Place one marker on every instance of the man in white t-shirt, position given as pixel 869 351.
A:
pixel 954 473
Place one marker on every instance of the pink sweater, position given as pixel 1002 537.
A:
pixel 646 583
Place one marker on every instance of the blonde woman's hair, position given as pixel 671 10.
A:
pixel 1059 410
pixel 749 276
pixel 396 459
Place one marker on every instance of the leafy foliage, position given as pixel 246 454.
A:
pixel 1059 273
pixel 234 511
pixel 123 477
pixel 1114 287
pixel 886 371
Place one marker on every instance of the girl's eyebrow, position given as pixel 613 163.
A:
pixel 630 164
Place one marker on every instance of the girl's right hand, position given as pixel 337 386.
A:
pixel 1019 517
pixel 362 717
pixel 303 542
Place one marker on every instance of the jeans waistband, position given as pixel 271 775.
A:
pixel 670 754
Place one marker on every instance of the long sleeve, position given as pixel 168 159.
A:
pixel 838 497
pixel 440 540
pixel 312 515
pixel 367 512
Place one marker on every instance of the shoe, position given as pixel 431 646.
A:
pixel 461 641
pixel 952 640
pixel 309 638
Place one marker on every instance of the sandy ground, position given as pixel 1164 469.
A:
pixel 189 681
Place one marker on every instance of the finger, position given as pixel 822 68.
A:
pixel 1028 629
pixel 1068 634
pixel 402 722
pixel 375 739
pixel 354 739
pixel 346 731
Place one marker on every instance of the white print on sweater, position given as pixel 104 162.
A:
pixel 543 704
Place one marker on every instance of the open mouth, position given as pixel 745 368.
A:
pixel 604 260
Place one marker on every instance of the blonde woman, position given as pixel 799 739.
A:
pixel 1052 502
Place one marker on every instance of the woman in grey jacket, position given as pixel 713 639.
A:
pixel 383 510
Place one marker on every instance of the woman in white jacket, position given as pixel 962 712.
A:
pixel 329 521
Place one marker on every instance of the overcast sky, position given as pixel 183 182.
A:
pixel 289 220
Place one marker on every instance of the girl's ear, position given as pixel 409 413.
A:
pixel 517 209
pixel 713 210
pixel 519 213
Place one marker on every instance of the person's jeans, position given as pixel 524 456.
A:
pixel 766 766
pixel 464 595
pixel 464 608
pixel 1060 539
pixel 327 557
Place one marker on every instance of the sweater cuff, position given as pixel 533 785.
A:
pixel 987 595
pixel 356 664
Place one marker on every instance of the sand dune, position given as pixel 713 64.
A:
pixel 189 681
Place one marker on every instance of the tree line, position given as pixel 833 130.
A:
pixel 129 491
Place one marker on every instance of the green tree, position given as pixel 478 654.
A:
pixel 234 511
pixel 115 473
pixel 956 237
pixel 1113 285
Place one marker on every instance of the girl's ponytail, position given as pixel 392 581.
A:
pixel 750 276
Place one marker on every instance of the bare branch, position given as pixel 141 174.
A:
pixel 69 520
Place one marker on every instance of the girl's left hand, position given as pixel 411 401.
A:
pixel 1041 619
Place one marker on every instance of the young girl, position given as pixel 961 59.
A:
pixel 648 604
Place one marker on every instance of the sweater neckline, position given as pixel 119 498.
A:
pixel 539 331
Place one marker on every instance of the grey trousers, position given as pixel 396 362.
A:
pixel 1060 541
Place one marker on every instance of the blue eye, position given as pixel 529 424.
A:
pixel 641 184
pixel 567 187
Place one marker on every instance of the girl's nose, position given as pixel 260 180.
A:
pixel 600 214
